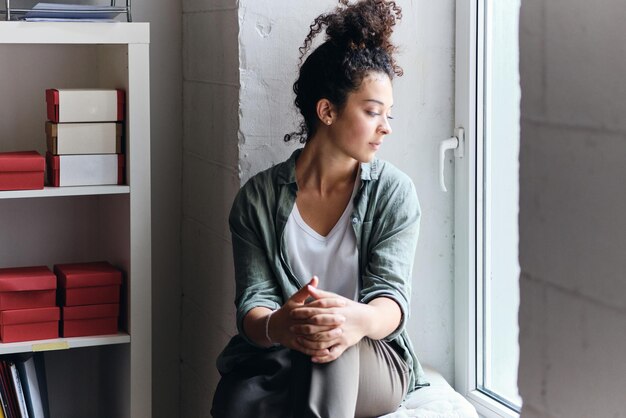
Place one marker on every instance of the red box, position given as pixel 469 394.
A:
pixel 81 105
pixel 29 324
pixel 27 287
pixel 22 170
pixel 88 283
pixel 81 321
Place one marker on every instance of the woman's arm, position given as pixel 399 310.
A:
pixel 391 245
pixel 385 318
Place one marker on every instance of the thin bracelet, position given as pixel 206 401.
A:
pixel 267 329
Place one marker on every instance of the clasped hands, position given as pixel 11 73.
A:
pixel 322 328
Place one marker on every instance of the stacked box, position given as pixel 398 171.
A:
pixel 27 304
pixel 89 297
pixel 22 170
pixel 85 320
pixel 84 137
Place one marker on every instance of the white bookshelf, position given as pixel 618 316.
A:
pixel 100 376
pixel 62 343
pixel 64 191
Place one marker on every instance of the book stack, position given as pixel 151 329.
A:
pixel 84 137
pixel 23 391
pixel 28 308
pixel 55 12
pixel 89 297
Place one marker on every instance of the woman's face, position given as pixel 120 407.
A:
pixel 359 128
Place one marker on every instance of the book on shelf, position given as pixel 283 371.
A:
pixel 8 391
pixel 23 392
pixel 33 376
pixel 4 403
pixel 19 393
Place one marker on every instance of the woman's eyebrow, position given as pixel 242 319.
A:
pixel 376 101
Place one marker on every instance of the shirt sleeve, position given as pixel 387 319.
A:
pixel 255 283
pixel 391 248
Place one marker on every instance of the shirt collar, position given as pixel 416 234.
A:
pixel 287 171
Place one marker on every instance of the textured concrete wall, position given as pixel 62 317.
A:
pixel 572 205
pixel 210 181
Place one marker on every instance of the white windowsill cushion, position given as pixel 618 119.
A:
pixel 439 400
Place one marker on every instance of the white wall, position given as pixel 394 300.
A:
pixel 166 169
pixel 572 205
pixel 210 181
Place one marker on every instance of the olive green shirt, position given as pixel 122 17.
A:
pixel 385 220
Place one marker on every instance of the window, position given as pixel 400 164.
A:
pixel 486 205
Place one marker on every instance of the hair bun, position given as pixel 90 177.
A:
pixel 366 24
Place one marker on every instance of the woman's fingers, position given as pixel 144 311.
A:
pixel 312 351
pixel 321 319
pixel 321 294
pixel 303 294
pixel 332 354
pixel 308 329
pixel 316 332
pixel 306 312
pixel 317 345
pixel 335 302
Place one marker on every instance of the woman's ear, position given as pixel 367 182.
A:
pixel 325 111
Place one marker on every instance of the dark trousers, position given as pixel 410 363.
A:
pixel 367 380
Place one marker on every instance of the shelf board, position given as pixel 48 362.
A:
pixel 64 191
pixel 63 343
pixel 74 33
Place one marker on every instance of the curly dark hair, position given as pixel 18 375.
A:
pixel 357 42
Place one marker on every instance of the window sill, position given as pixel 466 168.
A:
pixel 489 408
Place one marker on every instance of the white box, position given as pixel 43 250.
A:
pixel 85 170
pixel 80 105
pixel 84 138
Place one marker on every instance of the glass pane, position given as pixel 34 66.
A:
pixel 500 289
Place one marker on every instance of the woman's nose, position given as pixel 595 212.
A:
pixel 385 127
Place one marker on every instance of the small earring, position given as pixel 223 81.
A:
pixel 328 122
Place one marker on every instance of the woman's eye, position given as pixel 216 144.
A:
pixel 371 113
pixel 389 117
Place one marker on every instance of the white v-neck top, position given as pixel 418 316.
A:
pixel 332 258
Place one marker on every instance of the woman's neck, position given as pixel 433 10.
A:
pixel 321 168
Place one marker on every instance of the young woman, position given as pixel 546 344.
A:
pixel 324 243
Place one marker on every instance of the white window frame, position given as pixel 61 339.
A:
pixel 469 115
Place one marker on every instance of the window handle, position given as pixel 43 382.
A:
pixel 456 143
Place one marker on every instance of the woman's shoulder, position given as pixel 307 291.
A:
pixel 259 181
pixel 260 190
pixel 388 175
pixel 391 185
pixel 264 181
pixel 252 199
